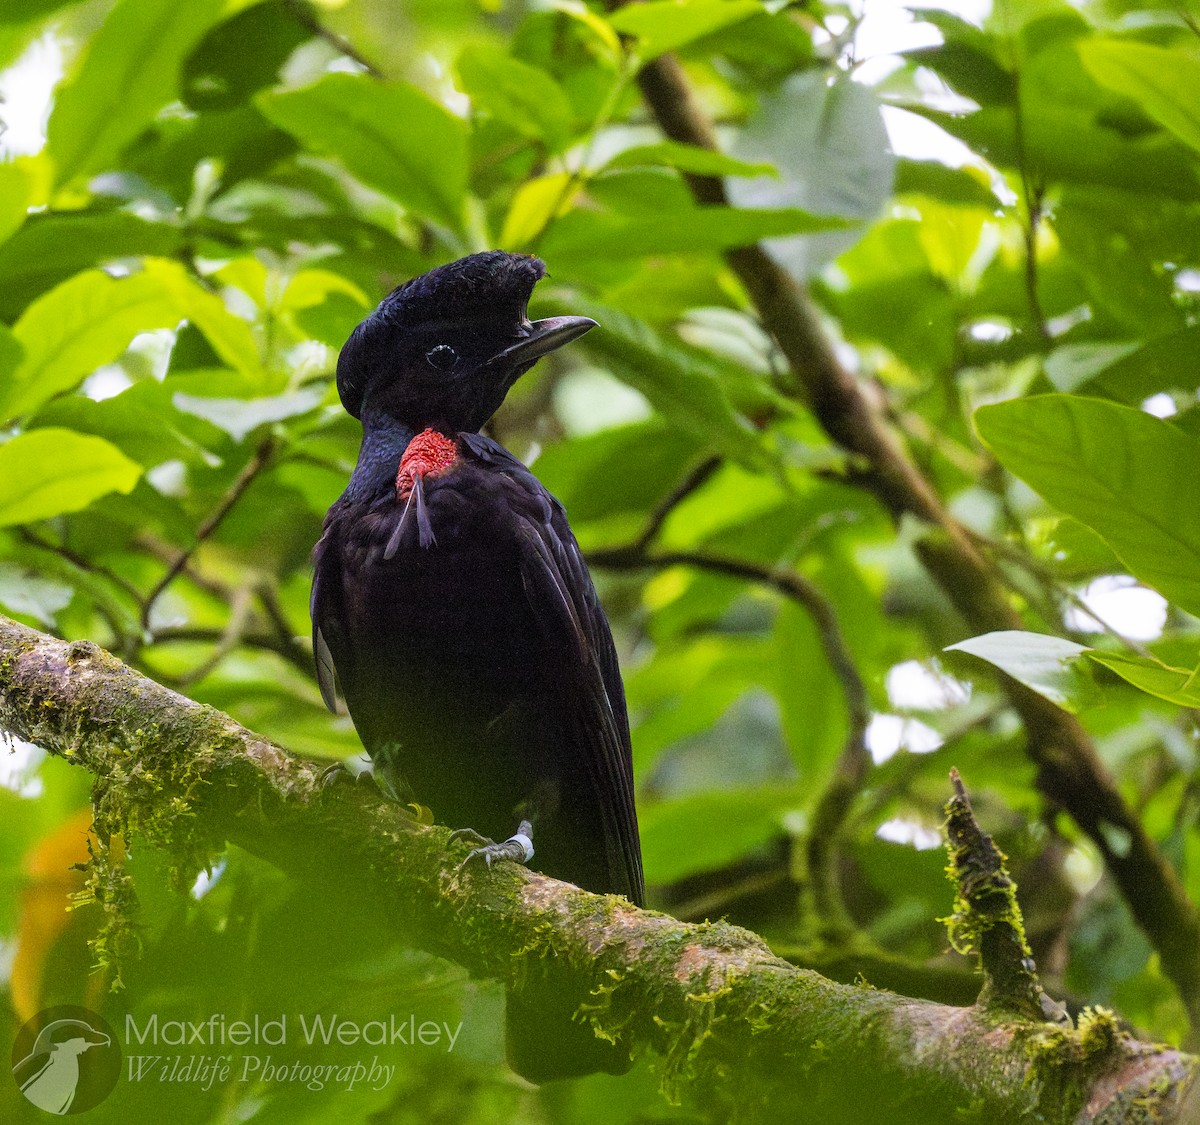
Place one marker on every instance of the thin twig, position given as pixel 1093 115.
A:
pixel 295 654
pixel 230 638
pixel 690 483
pixel 256 464
pixel 34 540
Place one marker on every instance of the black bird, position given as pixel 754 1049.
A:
pixel 452 602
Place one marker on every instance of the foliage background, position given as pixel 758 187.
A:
pixel 227 187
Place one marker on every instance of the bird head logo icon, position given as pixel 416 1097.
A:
pixel 66 1060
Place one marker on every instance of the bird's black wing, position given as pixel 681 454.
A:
pixel 325 608
pixel 569 616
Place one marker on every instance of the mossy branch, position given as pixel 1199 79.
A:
pixel 711 999
pixel 987 918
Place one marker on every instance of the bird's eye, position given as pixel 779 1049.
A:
pixel 443 357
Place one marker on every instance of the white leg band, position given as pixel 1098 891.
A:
pixel 526 845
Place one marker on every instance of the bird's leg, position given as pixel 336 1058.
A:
pixel 518 847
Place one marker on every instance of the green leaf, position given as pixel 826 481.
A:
pixel 1047 664
pixel 1065 144
pixel 1166 363
pixel 1166 83
pixel 139 422
pixel 966 61
pixel 625 470
pixel 48 472
pixel 52 246
pixel 830 146
pixel 231 337
pixel 812 707
pixel 588 235
pixel 238 416
pixel 961 186
pixel 16 192
pixel 679 385
pixel 89 320
pixel 130 70
pixel 220 73
pixel 19 11
pixel 1127 475
pixel 522 96
pixel 667 25
pixel 75 328
pixel 534 205
pixel 688 158
pixel 390 135
pixel 679 837
pixel 1176 685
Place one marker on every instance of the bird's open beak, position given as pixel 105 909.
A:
pixel 544 337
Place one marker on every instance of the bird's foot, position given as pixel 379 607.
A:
pixel 518 847
pixel 339 773
pixel 471 837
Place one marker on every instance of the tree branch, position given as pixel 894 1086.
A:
pixel 1070 772
pixel 256 464
pixel 711 999
pixel 987 919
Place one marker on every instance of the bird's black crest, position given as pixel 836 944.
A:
pixel 495 285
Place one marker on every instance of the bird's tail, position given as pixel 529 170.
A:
pixel 544 1042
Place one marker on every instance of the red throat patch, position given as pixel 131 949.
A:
pixel 429 454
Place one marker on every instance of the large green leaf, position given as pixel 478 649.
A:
pixel 221 73
pixel 584 235
pixel 1176 685
pixel 1166 83
pixel 90 319
pixel 230 336
pixel 524 97
pixel 1065 144
pixel 130 71
pixel 667 25
pixel 829 143
pixel 390 135
pixel 688 158
pixel 75 328
pixel 1049 665
pixel 53 245
pixel 679 385
pixel 47 472
pixel 1129 476
pixel 625 470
